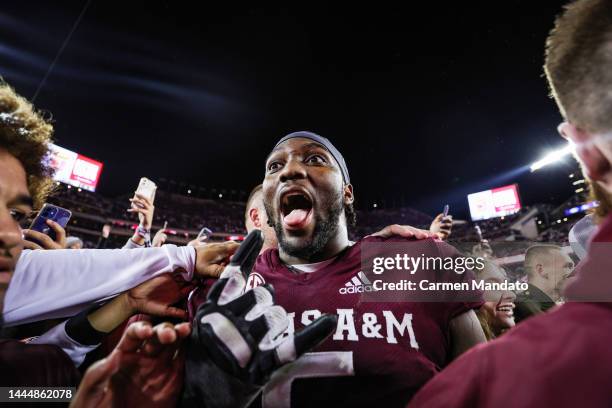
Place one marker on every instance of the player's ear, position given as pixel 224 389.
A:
pixel 348 194
pixel 539 269
pixel 254 216
pixel 594 163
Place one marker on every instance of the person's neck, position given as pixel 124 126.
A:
pixel 334 246
pixel 542 287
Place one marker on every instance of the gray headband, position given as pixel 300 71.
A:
pixel 325 143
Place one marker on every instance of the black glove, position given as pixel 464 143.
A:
pixel 237 338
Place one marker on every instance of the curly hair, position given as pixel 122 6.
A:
pixel 577 66
pixel 26 135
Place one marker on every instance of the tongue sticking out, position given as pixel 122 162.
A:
pixel 296 217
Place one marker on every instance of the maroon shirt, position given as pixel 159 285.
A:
pixel 380 354
pixel 35 365
pixel 559 359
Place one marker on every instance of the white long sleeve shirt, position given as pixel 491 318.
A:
pixel 61 283
pixel 57 336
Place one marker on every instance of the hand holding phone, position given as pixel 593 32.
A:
pixel 204 234
pixel 47 229
pixel 147 189
pixel 142 203
pixel 442 225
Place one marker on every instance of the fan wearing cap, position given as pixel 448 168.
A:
pixel 381 353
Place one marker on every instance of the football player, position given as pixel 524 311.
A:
pixel 381 353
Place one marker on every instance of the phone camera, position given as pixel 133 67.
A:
pixel 49 212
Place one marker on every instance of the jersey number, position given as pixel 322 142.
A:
pixel 277 393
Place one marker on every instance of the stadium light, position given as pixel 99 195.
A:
pixel 552 157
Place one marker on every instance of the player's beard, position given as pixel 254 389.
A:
pixel 325 228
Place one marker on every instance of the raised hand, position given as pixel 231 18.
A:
pixel 442 226
pixel 43 241
pixel 144 208
pixel 237 340
pixel 160 237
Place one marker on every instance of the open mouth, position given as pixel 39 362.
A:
pixel 506 308
pixel 296 210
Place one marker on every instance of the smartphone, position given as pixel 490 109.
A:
pixel 147 188
pixel 478 232
pixel 204 233
pixel 445 212
pixel 53 213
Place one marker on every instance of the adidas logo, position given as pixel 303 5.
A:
pixel 358 284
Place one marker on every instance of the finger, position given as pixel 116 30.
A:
pixel 401 231
pixel 274 322
pixel 60 233
pixel 234 286
pixel 134 336
pixel 306 339
pixel 254 302
pixel 386 232
pixel 214 271
pixel 163 335
pixel 240 267
pixel 407 231
pixel 247 253
pixel 182 330
pixel 162 310
pixel 138 203
pixel 31 245
pixel 421 234
pixel 145 199
pixel 97 375
pixel 44 240
pixel 438 217
pixel 225 251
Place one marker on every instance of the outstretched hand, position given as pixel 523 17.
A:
pixel 145 369
pixel 156 296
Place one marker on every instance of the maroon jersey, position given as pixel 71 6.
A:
pixel 381 352
pixel 559 359
pixel 35 365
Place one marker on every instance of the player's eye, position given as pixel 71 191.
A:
pixel 316 159
pixel 274 166
pixel 18 215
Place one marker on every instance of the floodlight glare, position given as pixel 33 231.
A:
pixel 552 157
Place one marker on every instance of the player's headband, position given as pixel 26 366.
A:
pixel 325 143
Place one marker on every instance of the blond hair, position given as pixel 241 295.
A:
pixel 578 64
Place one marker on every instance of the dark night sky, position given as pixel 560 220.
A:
pixel 427 105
